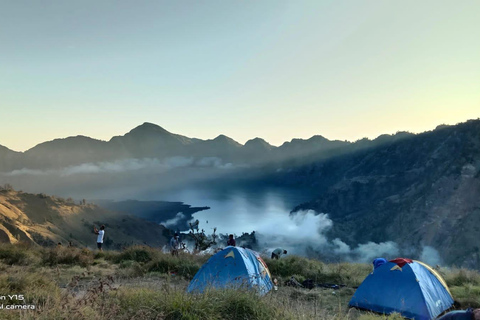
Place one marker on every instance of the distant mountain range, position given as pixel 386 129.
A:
pixel 152 141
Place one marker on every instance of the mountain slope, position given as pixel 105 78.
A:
pixel 421 190
pixel 61 153
pixel 47 220
pixel 8 158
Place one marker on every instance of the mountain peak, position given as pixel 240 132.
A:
pixel 148 127
pixel 258 142
pixel 318 138
pixel 224 139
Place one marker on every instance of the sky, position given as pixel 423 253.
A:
pixel 272 69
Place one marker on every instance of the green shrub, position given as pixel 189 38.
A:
pixel 215 304
pixel 467 295
pixel 460 277
pixel 302 268
pixel 107 255
pixel 167 264
pixel 351 274
pixel 294 265
pixel 137 253
pixel 153 260
pixel 130 269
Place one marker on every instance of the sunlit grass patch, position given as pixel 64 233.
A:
pixel 213 304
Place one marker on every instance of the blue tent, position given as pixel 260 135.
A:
pixel 233 268
pixel 408 287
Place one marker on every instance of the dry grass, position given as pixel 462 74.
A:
pixel 143 283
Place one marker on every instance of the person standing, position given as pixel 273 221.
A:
pixel 231 241
pixel 174 245
pixel 277 253
pixel 101 234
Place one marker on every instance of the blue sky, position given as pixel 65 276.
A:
pixel 273 69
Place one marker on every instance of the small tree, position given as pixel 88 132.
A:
pixel 202 241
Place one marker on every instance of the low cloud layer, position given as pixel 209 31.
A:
pixel 126 165
pixel 430 256
pixel 304 233
pixel 172 223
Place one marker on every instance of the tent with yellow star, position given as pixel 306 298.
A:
pixel 409 287
pixel 233 268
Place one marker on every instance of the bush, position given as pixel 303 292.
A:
pixel 167 264
pixel 130 269
pixel 18 254
pixel 351 274
pixel 107 255
pixel 294 265
pixel 154 260
pixel 303 268
pixel 215 304
pixel 68 255
pixel 460 277
pixel 137 253
pixel 37 288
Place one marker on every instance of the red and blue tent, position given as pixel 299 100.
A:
pixel 409 287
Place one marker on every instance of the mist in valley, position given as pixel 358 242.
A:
pixel 319 204
pixel 234 208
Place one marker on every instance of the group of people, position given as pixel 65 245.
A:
pixel 176 244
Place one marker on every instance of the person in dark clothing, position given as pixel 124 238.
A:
pixel 231 241
pixel 174 244
pixel 468 314
pixel 277 253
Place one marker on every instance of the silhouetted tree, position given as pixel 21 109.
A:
pixel 202 241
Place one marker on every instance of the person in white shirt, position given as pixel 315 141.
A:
pixel 100 236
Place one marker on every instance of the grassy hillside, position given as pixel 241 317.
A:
pixel 47 220
pixel 143 283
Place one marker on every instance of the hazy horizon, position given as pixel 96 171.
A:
pixel 271 69
pixel 241 142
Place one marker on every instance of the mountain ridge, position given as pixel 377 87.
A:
pixel 150 140
pixel 147 140
pixel 423 190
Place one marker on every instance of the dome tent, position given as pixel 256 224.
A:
pixel 233 268
pixel 408 287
